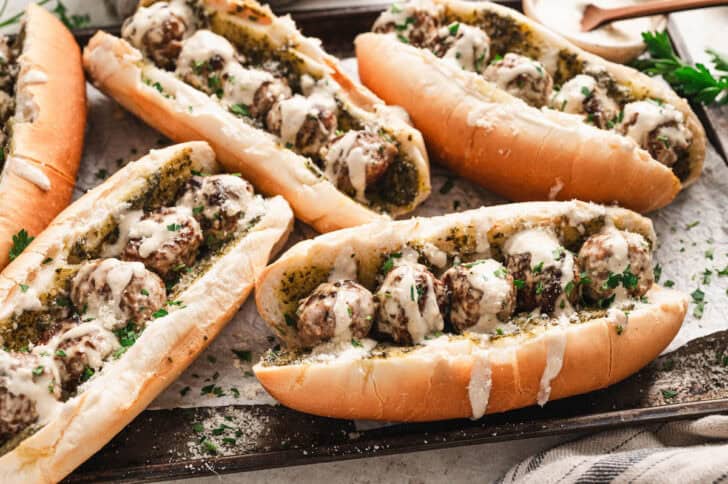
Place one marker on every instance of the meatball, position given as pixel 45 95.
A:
pixel 23 375
pixel 541 268
pixel 8 66
pixel 203 59
pixel 658 128
pixel 412 24
pixel 411 303
pixel 465 46
pixel 306 123
pixel 253 90
pixel 335 311
pixel 117 292
pixel 158 30
pixel 166 241
pixel 81 352
pixel 7 106
pixel 481 295
pixel 615 261
pixel 522 77
pixel 218 202
pixel 583 95
pixel 356 160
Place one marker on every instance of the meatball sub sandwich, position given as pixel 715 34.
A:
pixel 43 117
pixel 518 109
pixel 464 314
pixel 272 104
pixel 123 290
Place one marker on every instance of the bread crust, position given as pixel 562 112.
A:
pixel 122 390
pixel 518 151
pixel 434 380
pixel 117 68
pixel 52 142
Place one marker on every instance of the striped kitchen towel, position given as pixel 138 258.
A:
pixel 680 452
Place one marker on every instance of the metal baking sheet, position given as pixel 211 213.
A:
pixel 193 431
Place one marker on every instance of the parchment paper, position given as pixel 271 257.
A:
pixel 692 234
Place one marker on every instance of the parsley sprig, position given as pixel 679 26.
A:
pixel 697 82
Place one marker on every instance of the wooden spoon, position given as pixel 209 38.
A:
pixel 595 16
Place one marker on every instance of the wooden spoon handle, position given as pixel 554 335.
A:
pixel 601 16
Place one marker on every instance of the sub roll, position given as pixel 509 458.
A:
pixel 516 108
pixel 464 314
pixel 272 104
pixel 42 122
pixel 117 297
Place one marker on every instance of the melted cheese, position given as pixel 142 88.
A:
pixel 345 267
pixel 29 171
pixel 202 46
pixel 494 291
pixel 152 18
pixel 505 74
pixel 573 93
pixel 480 383
pixel 40 389
pixel 555 341
pixel 293 113
pixel 241 84
pixel 545 249
pixel 126 221
pixel 352 152
pixel 470 50
pixel 647 117
pixel 398 14
pixel 155 233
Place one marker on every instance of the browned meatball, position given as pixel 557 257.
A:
pixel 158 30
pixel 218 202
pixel 522 77
pixel 81 352
pixel 117 292
pixel 165 241
pixel 19 371
pixel 357 159
pixel 536 287
pixel 613 260
pixel 466 46
pixel 481 295
pixel 658 128
pixel 412 25
pixel 412 302
pixel 583 95
pixel 267 95
pixel 203 60
pixel 335 311
pixel 303 123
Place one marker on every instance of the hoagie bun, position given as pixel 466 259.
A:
pixel 476 312
pixel 43 105
pixel 272 104
pixel 98 315
pixel 509 104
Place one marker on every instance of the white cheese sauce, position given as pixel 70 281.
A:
pixel 153 17
pixel 570 98
pixel 40 389
pixel 471 48
pixel 202 46
pixel 643 117
pixel 241 84
pixel 28 170
pixel 353 152
pixel 494 291
pixel 555 342
pixel 480 383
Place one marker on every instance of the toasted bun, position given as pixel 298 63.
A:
pixel 461 376
pixel 123 389
pixel 523 153
pixel 44 151
pixel 184 113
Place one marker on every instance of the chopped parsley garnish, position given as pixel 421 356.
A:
pixel 706 276
pixel 657 271
pixel 214 83
pixel 144 292
pixel 500 273
pixel 412 292
pixel 235 392
pixel 699 299
pixel 184 391
pixel 519 283
pixel 23 287
pixel 88 372
pixel 499 331
pixel 402 39
pixel 198 210
pixel 539 287
pixel 453 28
pixel 38 370
pixel 101 173
pixel 692 224
pixel 538 268
pixel 584 278
pixel 174 227
pixel 709 254
pixel 240 110
pixel 356 343
pixel 612 281
pixel 389 263
pixel 21 240
pixel 723 272
pixel 395 8
pixel 209 446
pixel 604 303
pixel 160 313
pixel 667 394
pixel 569 287
pixel 47 260
pixel 629 280
pixel 61 353
pixel 198 428
pixel 585 91
pixel 243 355
pixel 669 283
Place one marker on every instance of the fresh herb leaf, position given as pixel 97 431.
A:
pixel 88 372
pixel 23 287
pixel 669 283
pixel 160 313
pixel 174 227
pixel 356 343
pixel 38 370
pixel 657 271
pixel 389 263
pixel 240 110
pixel 21 240
pixel 519 283
pixel 667 394
pixel 244 355
pixel 453 28
pixel 538 268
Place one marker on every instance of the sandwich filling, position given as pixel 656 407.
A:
pixel 275 88
pixel 501 51
pixel 90 304
pixel 515 280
